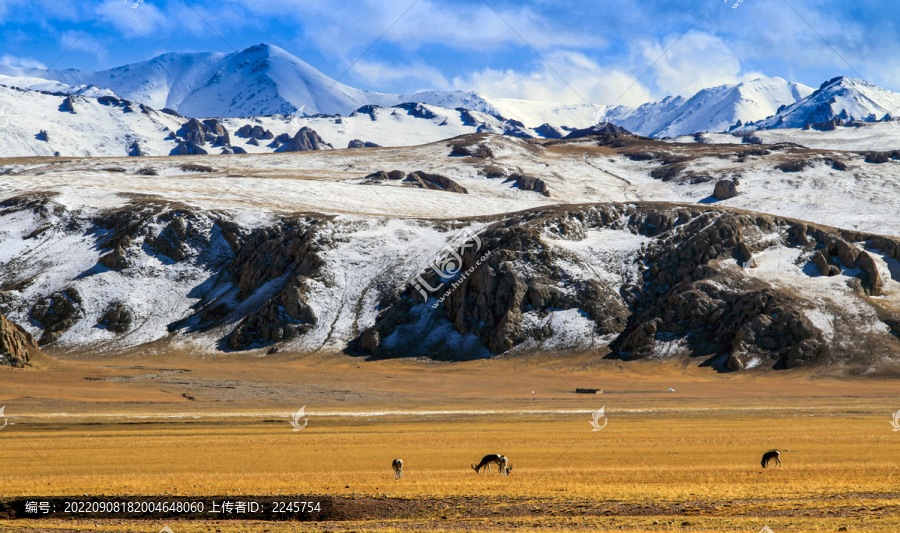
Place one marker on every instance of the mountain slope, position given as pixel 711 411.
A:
pixel 713 109
pixel 841 97
pixel 266 80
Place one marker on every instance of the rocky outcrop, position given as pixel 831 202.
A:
pixel 57 313
pixel 381 175
pixel 425 180
pixel 878 157
pixel 256 132
pixel 476 150
pixel 188 148
pixel 724 190
pixel 117 318
pixel 872 281
pixel 115 259
pixel 529 183
pixel 597 129
pixel 825 268
pixel 68 104
pixel 356 143
pixel 289 252
pixel 547 131
pixel 305 140
pixel 201 132
pixel 15 344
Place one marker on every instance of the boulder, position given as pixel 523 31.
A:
pixel 734 362
pixel 724 190
pixel 425 180
pixel 356 143
pixel 873 283
pixel 117 318
pixel 69 104
pixel 255 132
pixel 188 148
pixel 478 151
pixel 826 268
pixel 57 313
pixel 305 140
pixel 529 183
pixel 115 259
pixel 134 150
pixel 15 343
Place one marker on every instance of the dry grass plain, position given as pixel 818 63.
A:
pixel 686 460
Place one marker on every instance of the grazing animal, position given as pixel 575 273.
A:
pixel 398 468
pixel 505 467
pixel 769 455
pixel 487 461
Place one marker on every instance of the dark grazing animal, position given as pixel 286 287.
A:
pixel 397 465
pixel 487 461
pixel 769 455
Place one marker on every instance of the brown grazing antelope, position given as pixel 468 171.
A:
pixel 487 461
pixel 769 455
pixel 398 468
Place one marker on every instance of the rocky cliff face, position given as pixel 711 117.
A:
pixel 631 281
pixel 15 343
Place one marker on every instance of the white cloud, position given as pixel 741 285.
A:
pixel 375 73
pixel 25 62
pixel 132 18
pixel 571 77
pixel 349 27
pixel 696 61
pixel 81 41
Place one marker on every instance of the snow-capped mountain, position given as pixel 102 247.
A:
pixel 841 97
pixel 266 80
pixel 713 109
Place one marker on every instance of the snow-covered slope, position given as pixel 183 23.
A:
pixel 841 97
pixel 713 109
pixel 259 80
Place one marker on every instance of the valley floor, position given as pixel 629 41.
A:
pixel 679 460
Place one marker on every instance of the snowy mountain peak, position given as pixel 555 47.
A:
pixel 842 97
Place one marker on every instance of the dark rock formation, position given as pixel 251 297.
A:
pixel 529 183
pixel 289 251
pixel 793 166
pixel 597 129
pixel 57 313
pixel 437 182
pixel 878 157
pixel 724 190
pixel 305 140
pixel 68 104
pixel 134 150
pixel 872 281
pixel 356 143
pixel 115 259
pixel 476 150
pixel 547 131
pixel 381 175
pixel 117 318
pixel 209 130
pixel 188 148
pixel 255 132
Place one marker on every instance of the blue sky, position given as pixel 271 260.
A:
pixel 622 51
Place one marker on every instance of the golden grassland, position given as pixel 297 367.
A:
pixel 686 460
